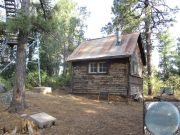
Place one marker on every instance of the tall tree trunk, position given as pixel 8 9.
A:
pixel 64 60
pixel 148 45
pixel 18 100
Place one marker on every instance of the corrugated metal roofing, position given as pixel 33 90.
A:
pixel 103 48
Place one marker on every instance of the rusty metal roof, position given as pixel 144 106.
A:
pixel 105 48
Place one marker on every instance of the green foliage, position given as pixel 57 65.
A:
pixel 61 31
pixel 7 77
pixel 173 81
pixel 57 81
pixel 9 72
pixel 175 59
pixel 125 17
pixel 157 83
pixel 21 22
pixel 165 50
pixel 33 22
pixel 132 15
pixel 57 44
pixel 32 78
pixel 49 81
pixel 2 26
pixel 8 84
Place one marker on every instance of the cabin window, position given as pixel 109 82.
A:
pixel 93 68
pixel 100 67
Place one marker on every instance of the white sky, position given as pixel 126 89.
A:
pixel 100 15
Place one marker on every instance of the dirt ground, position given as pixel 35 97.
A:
pixel 77 115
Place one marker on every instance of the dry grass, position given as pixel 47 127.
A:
pixel 78 115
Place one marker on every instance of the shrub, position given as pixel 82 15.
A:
pixel 8 84
pixel 174 82
pixel 32 78
pixel 51 81
pixel 57 81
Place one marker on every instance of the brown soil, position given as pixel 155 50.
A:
pixel 77 115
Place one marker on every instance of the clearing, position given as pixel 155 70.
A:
pixel 77 115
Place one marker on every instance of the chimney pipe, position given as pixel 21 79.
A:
pixel 118 33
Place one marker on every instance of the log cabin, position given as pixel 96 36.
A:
pixel 111 64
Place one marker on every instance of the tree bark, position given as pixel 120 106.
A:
pixel 18 100
pixel 148 46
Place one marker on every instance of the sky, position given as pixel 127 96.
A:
pixel 100 15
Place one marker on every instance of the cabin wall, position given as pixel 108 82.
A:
pixel 114 81
pixel 136 85
pixel 136 75
pixel 136 63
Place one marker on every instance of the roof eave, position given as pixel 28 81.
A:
pixel 141 47
pixel 99 58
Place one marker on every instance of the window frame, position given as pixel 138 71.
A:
pixel 98 68
pixel 103 67
pixel 92 67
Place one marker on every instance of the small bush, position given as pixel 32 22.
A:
pixel 65 80
pixel 174 82
pixel 32 78
pixel 51 82
pixel 57 81
pixel 8 84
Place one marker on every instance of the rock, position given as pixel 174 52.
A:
pixel 2 88
pixel 44 90
pixel 43 119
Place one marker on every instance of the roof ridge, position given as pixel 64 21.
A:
pixel 99 38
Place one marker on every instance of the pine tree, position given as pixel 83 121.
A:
pixel 18 100
pixel 175 60
pixel 165 51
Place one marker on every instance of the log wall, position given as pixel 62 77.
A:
pixel 115 81
pixel 136 84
